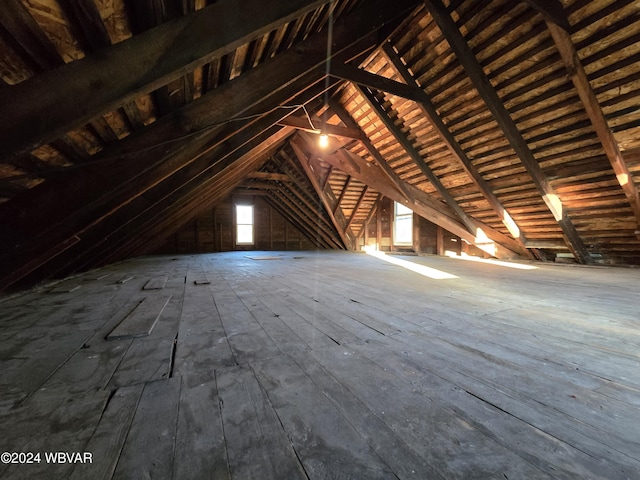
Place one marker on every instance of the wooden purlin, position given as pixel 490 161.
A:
pixel 482 84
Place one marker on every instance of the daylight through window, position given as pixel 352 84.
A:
pixel 403 225
pixel 244 224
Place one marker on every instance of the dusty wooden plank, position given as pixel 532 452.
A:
pixel 527 399
pixel 552 455
pixel 148 449
pixel 66 287
pixel 197 276
pixel 200 450
pixel 36 358
pixel 388 444
pixel 70 425
pixel 416 417
pixel 256 443
pixel 109 436
pixel 201 344
pixel 142 319
pixel 247 339
pixel 324 440
pixel 156 283
pixel 147 359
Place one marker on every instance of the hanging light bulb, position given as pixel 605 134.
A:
pixel 323 140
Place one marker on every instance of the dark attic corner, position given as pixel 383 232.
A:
pixel 319 239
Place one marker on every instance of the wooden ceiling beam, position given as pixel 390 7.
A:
pixel 435 211
pixel 431 114
pixel 9 189
pixel 578 76
pixel 86 23
pixel 552 11
pixel 475 228
pixel 57 101
pixel 91 195
pixel 359 76
pixel 33 46
pixel 326 195
pixel 380 160
pixel 277 177
pixel 296 215
pixel 302 123
pixel 408 147
pixel 488 93
pixel 357 206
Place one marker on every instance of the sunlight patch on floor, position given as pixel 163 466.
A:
pixel 490 261
pixel 414 267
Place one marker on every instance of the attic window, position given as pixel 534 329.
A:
pixel 402 225
pixel 244 224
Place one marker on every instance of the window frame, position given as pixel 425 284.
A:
pixel 238 224
pixel 405 216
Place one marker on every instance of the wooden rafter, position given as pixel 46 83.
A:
pixel 71 95
pixel 28 38
pixel 78 210
pixel 288 208
pixel 302 123
pixel 301 191
pixel 552 11
pixel 87 24
pixel 508 126
pixel 383 84
pixel 472 224
pixel 380 160
pixel 326 195
pixel 408 147
pixel 429 111
pixel 594 111
pixel 372 212
pixel 357 205
pixel 345 188
pixel 421 203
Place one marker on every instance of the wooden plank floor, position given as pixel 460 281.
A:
pixel 326 365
